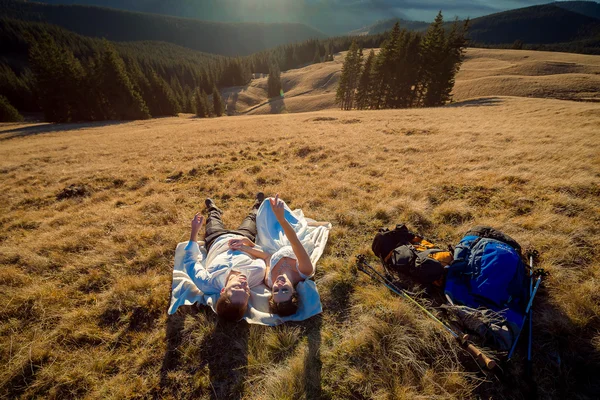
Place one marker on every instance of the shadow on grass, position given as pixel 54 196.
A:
pixel 311 330
pixel 484 101
pixel 50 128
pixel 277 105
pixel 312 362
pixel 224 351
pixel 565 357
pixel 174 337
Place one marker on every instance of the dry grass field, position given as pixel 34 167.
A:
pixel 485 72
pixel 85 273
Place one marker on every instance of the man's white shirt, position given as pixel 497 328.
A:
pixel 220 261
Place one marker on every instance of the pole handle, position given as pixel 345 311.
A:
pixel 481 358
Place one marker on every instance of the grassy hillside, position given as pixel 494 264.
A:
pixel 485 72
pixel 85 280
pixel 231 39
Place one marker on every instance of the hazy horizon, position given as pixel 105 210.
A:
pixel 331 16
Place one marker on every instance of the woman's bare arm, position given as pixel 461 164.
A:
pixel 304 264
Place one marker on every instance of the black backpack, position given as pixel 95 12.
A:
pixel 404 252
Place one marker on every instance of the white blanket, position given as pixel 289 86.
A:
pixel 270 238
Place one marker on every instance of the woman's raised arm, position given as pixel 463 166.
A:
pixel 304 264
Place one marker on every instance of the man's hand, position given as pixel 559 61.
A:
pixel 237 244
pixel 278 208
pixel 197 224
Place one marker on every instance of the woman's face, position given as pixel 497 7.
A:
pixel 282 289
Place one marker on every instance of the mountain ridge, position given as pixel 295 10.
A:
pixel 331 17
pixel 229 39
pixel 544 25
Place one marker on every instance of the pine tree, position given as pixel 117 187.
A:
pixel 178 93
pixel 125 103
pixel 164 102
pixel 363 91
pixel 456 44
pixel 349 78
pixel 433 53
pixel 218 105
pixel 274 81
pixel 202 110
pixel 7 112
pixel 378 82
pixel 96 102
pixel 406 72
pixel 210 110
pixel 59 77
pixel 317 56
pixel 412 66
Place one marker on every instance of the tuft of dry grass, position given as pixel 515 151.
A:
pixel 85 278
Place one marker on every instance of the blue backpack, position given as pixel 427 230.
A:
pixel 488 272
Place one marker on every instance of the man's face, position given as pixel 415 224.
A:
pixel 282 289
pixel 237 289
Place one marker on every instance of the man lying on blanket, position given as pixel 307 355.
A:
pixel 228 270
pixel 234 264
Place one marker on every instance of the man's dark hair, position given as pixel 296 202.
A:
pixel 284 308
pixel 228 310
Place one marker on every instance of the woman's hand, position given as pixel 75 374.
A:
pixel 197 223
pixel 278 207
pixel 238 244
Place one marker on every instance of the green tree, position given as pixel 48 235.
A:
pixel 125 102
pixel 7 112
pixel 59 77
pixel 218 105
pixel 274 81
pixel 363 91
pixel 406 73
pixel 433 53
pixel 164 102
pixel 349 78
pixel 317 57
pixel 202 110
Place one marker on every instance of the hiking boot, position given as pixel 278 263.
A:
pixel 260 197
pixel 210 205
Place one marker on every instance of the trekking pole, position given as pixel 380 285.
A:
pixel 479 356
pixel 535 289
pixel 530 341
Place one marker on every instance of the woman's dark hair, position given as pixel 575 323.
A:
pixel 284 308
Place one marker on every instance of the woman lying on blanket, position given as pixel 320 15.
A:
pixel 288 262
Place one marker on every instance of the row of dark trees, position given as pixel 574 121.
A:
pixel 163 75
pixel 206 106
pixel 410 70
pixel 102 88
pixel 167 78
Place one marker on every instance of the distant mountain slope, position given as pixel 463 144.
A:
pixel 334 17
pixel 544 24
pixel 231 39
pixel 388 24
pixel 589 8
pixel 548 27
